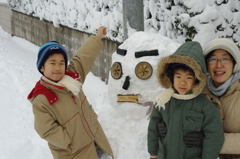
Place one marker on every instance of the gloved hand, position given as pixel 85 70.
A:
pixel 194 139
pixel 162 129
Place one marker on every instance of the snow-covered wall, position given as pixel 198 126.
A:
pixel 5 17
pixel 179 20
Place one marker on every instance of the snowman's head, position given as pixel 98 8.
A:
pixel 132 79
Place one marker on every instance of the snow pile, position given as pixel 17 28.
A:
pixel 193 19
pixel 3 1
pixel 83 15
pixel 18 74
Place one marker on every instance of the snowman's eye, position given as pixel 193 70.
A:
pixel 146 53
pixel 116 70
pixel 121 52
pixel 143 70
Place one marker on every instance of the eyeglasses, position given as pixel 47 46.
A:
pixel 223 60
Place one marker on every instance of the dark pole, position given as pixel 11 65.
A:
pixel 133 15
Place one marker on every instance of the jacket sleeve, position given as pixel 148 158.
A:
pixel 153 134
pixel 47 127
pixel 231 143
pixel 213 131
pixel 86 55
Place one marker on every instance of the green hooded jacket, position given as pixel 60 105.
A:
pixel 184 113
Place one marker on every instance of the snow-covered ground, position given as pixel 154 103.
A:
pixel 18 73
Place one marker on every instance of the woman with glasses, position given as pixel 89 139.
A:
pixel 223 89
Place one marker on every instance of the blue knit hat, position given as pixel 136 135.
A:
pixel 173 65
pixel 45 50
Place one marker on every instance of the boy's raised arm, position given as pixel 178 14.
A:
pixel 86 55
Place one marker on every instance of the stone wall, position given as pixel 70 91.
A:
pixel 40 31
pixel 5 17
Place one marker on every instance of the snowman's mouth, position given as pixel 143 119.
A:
pixel 128 98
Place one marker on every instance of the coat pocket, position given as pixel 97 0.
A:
pixel 194 153
pixel 78 134
pixel 193 121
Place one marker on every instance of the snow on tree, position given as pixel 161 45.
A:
pixel 180 20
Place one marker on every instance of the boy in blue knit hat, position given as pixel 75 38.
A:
pixel 62 114
pixel 48 56
pixel 47 50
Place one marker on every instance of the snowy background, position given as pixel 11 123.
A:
pixel 125 124
pixel 177 19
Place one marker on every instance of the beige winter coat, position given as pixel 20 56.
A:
pixel 229 109
pixel 67 122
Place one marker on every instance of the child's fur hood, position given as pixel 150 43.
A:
pixel 190 54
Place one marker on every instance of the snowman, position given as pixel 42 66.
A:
pixel 132 80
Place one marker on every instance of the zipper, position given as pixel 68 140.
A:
pixel 84 122
pixel 178 111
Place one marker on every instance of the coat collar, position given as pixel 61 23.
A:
pixel 49 94
pixel 74 75
pixel 161 99
pixel 41 89
pixel 234 87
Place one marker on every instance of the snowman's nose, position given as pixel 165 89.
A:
pixel 126 83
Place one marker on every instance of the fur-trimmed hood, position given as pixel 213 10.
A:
pixel 190 54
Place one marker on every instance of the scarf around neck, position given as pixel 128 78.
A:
pixel 161 99
pixel 219 91
pixel 68 82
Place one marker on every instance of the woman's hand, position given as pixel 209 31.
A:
pixel 102 31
